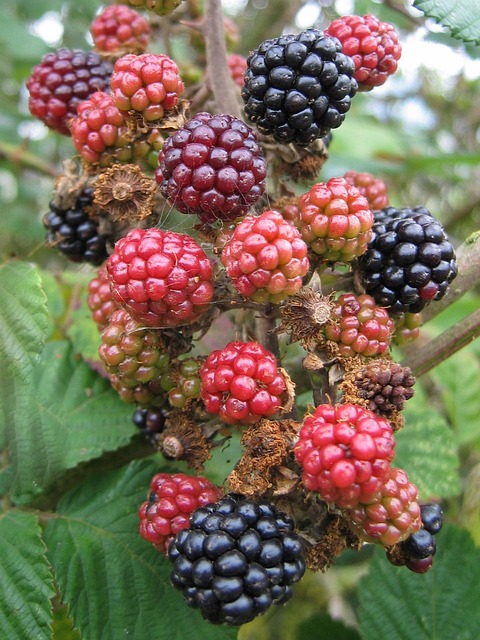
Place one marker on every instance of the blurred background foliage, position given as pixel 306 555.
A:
pixel 419 132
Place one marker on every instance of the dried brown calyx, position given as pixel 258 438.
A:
pixel 335 538
pixel 266 448
pixel 183 439
pixel 125 193
pixel 304 315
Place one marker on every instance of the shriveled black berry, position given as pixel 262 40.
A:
pixel 236 570
pixel 409 260
pixel 432 517
pixel 150 422
pixel 298 88
pixel 74 233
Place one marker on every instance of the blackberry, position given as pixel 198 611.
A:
pixel 74 233
pixel 386 387
pixel 61 81
pixel 298 87
pixel 432 517
pixel 237 558
pixel 409 260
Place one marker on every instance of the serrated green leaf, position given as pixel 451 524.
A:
pixel 67 415
pixel 83 332
pixel 439 605
pixel 426 449
pixel 457 379
pixel 461 17
pixel 26 585
pixel 116 584
pixel 23 317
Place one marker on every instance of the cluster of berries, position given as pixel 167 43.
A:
pixel 234 556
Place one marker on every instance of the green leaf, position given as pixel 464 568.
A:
pixel 426 450
pixel 323 627
pixel 23 318
pixel 26 585
pixel 457 379
pixel 461 17
pixel 115 583
pixel 439 605
pixel 67 414
pixel 83 332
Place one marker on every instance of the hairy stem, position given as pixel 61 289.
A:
pixel 20 155
pixel 221 82
pixel 423 359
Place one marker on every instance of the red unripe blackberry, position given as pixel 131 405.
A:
pixel 335 220
pixel 237 65
pixel 159 7
pixel 163 278
pixel 266 258
pixel 373 45
pixel 147 84
pixel 358 325
pixel 171 501
pixel 212 167
pixel 100 300
pixel 374 189
pixel 61 81
pixel 298 87
pixel 119 30
pixel 345 453
pixel 74 233
pixel 135 359
pixel 242 383
pixel 409 260
pixel 392 516
pixel 237 558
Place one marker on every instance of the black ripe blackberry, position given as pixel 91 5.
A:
pixel 299 87
pixel 150 422
pixel 432 517
pixel 409 260
pixel 74 233
pixel 237 558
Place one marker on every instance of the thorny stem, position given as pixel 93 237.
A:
pixel 423 359
pixel 222 84
pixel 20 155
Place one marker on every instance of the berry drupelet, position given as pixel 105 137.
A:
pixel 119 30
pixel 163 278
pixel 335 220
pixel 171 501
pixel 372 188
pixel 298 87
pixel 100 300
pixel 409 260
pixel 212 167
pixel 266 258
pixel 242 383
pixel 74 233
pixel 61 81
pixel 236 559
pixel 345 453
pixel 373 45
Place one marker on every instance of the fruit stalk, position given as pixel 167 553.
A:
pixel 219 75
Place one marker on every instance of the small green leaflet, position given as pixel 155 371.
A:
pixel 461 17
pixel 115 583
pixel 67 414
pixel 26 585
pixel 439 605
pixel 426 449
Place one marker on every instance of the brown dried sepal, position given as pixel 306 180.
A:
pixel 68 185
pixel 289 394
pixel 309 163
pixel 335 538
pixel 125 193
pixel 396 555
pixel 304 315
pixel 266 447
pixel 183 439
